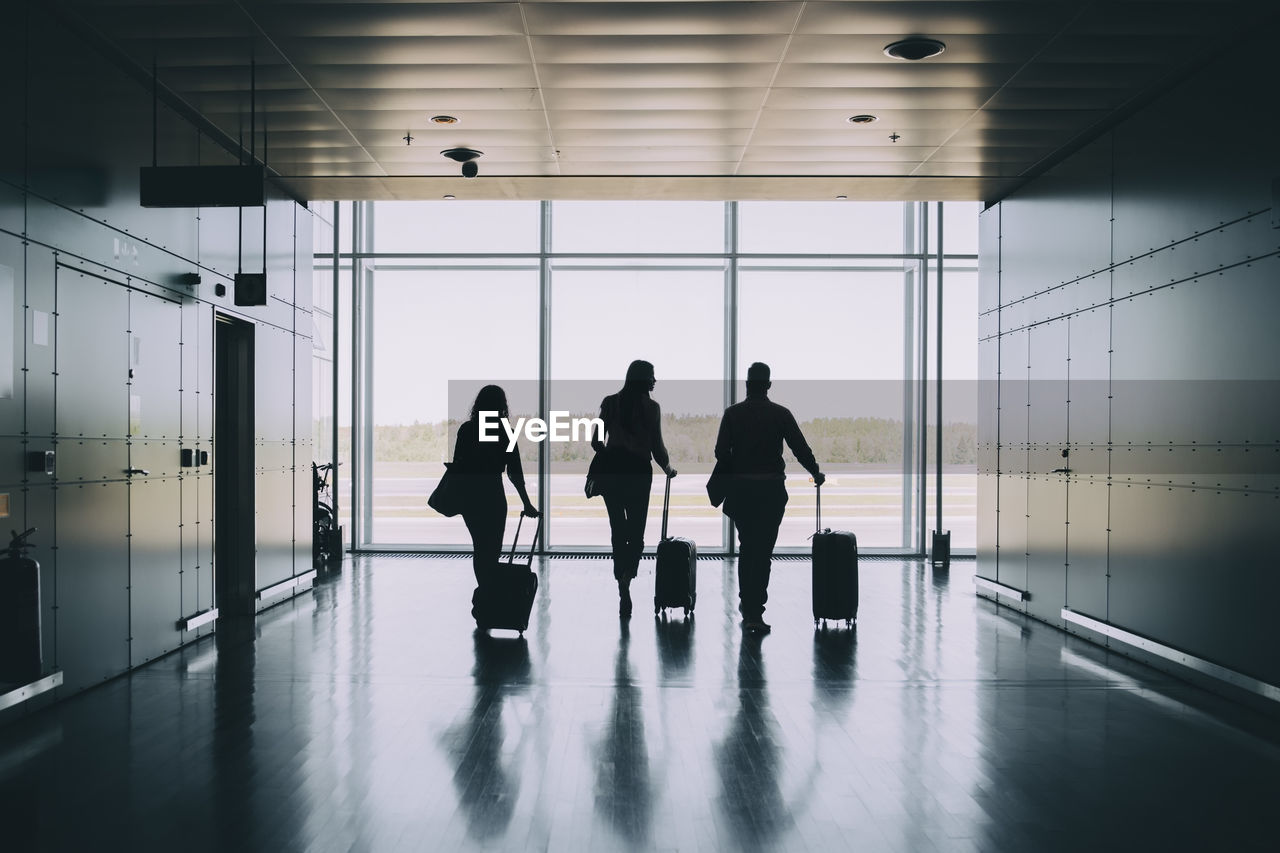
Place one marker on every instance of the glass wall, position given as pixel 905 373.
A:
pixel 553 301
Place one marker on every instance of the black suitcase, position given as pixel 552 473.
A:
pixel 507 599
pixel 676 577
pixel 835 573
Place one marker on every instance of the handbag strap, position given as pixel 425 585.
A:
pixel 666 505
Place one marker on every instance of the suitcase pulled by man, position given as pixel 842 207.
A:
pixel 835 573
pixel 676 577
pixel 506 599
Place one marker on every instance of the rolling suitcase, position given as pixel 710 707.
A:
pixel 507 599
pixel 676 579
pixel 835 573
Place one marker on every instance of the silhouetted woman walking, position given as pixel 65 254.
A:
pixel 633 435
pixel 481 464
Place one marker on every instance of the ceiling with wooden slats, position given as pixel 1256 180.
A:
pixel 701 100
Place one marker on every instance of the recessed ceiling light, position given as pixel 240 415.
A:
pixel 863 118
pixel 450 196
pixel 444 120
pixel 841 197
pixel 915 48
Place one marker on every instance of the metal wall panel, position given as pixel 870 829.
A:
pixel 273 456
pixel 989 260
pixel 1011 568
pixel 93 582
pixel 13 471
pixel 1185 572
pixel 189 557
pixel 1165 185
pixel 155 365
pixel 1089 412
pixel 156 458
pixel 41 293
pixel 273 384
pixel 91 460
pixel 303 258
pixel 155 588
pixel 12 338
pixel 1046 544
pixel 1197 363
pixel 1014 391
pixel 302 521
pixel 218 244
pixel 988 391
pixel 1087 510
pixel 987 524
pixel 93 360
pixel 1047 387
pixel 274 496
pixel 302 361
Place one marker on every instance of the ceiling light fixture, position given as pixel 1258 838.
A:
pixel 444 120
pixel 449 196
pixel 465 156
pixel 915 48
pixel 863 118
pixel 841 197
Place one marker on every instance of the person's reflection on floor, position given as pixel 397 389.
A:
pixel 624 789
pixel 748 760
pixel 488 788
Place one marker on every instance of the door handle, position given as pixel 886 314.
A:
pixel 132 471
pixel 1060 471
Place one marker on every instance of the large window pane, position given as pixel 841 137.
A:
pixel 434 332
pixel 838 344
pixel 840 227
pixel 455 226
pixel 601 322
pixel 617 227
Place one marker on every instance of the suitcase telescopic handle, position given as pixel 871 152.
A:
pixel 818 518
pixel 533 546
pixel 666 506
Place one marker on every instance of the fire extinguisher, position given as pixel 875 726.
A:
pixel 21 661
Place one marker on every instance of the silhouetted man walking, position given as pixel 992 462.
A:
pixel 750 444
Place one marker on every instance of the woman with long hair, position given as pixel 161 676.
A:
pixel 633 436
pixel 480 465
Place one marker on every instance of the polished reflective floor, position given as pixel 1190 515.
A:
pixel 365 715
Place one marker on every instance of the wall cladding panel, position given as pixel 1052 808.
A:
pixel 41 294
pixel 1046 544
pixel 274 497
pixel 1047 387
pixel 1187 181
pixel 1011 568
pixel 155 582
pixel 1089 386
pixel 1014 391
pixel 1184 572
pixel 93 582
pixel 989 260
pixel 12 322
pixel 273 401
pixel 155 366
pixel 92 399
pixel 1087 511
